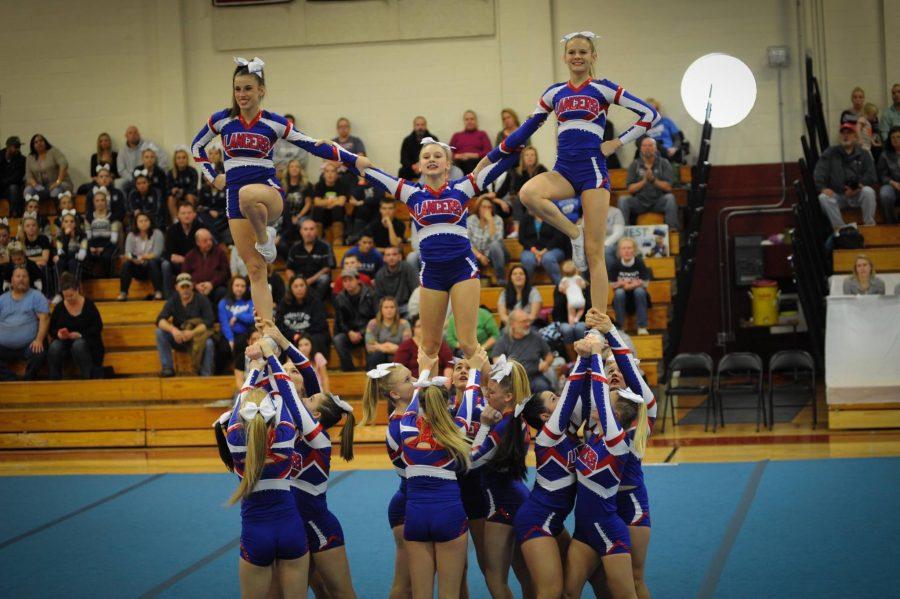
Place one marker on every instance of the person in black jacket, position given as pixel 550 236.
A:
pixel 301 313
pixel 75 327
pixel 354 307
pixel 180 238
pixel 181 182
pixel 12 174
pixel 844 175
pixel 409 149
pixel 628 278
pixel 544 245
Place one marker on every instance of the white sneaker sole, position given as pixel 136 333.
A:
pixel 578 251
pixel 267 250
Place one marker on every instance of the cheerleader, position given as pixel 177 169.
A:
pixel 449 270
pixel 580 105
pixel 71 246
pixel 393 383
pixel 260 437
pixel 253 196
pixel 601 536
pixel 146 199
pixel 633 502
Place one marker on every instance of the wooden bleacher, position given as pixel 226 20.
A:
pixel 139 409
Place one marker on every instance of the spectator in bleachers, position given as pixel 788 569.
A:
pixel 75 327
pixel 300 312
pixel 103 236
pixel 181 182
pixel 408 352
pixel 207 264
pixel 542 244
pixel 185 323
pixel 486 330
pixel 351 143
pixel 298 192
pixel 317 359
pixel 572 285
pixel 628 278
pixel 409 149
pixel 519 342
pixel 863 280
pixel 104 157
pixel 32 211
pixel 211 202
pixel 354 307
pixel 17 259
pixel 145 198
pixel 351 261
pixel 396 279
pixel 12 174
pixel 366 201
pixel 236 322
pixel 665 133
pixel 47 170
pixel 37 249
pixel 890 117
pixel 869 134
pixel 370 259
pixel 889 173
pixel 857 101
pixel 151 169
pixel 649 182
pixel 144 249
pixel 5 239
pixel 285 152
pixel 615 229
pixel 510 121
pixel 115 198
pixel 486 234
pixel 387 229
pixel 472 144
pixel 844 175
pixel 179 241
pixel 71 247
pixel 329 198
pixel 519 295
pixel 312 259
pixel 129 158
pixel 385 333
pixel 568 333
pixel 529 166
pixel 24 322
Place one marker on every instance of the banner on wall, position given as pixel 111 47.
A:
pixel 652 240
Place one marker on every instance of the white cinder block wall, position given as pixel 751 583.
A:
pixel 76 69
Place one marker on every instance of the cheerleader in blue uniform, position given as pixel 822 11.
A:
pixel 253 196
pixel 601 536
pixel 580 105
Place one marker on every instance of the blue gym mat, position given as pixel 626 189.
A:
pixel 820 528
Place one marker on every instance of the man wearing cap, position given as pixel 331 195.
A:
pixel 12 175
pixel 354 307
pixel 844 175
pixel 649 182
pixel 183 306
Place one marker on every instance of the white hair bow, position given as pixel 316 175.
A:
pixel 182 148
pixel 141 171
pixel 588 34
pixel 382 370
pixel 430 140
pixel 343 405
pixel 265 408
pixel 630 395
pixel 68 212
pixel 424 381
pixel 65 193
pixel 253 66
pixel 501 369
pixel 4 220
pixel 101 189
pixel 102 167
pixel 32 196
pixel 32 215
pixel 520 407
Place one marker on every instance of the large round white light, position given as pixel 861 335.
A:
pixel 733 89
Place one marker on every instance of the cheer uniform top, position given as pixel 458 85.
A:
pixel 555 448
pixel 439 217
pixel 248 149
pixel 503 494
pixel 270 528
pixel 600 463
pixel 581 113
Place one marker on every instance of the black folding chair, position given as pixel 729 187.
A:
pixel 801 369
pixel 695 366
pixel 740 373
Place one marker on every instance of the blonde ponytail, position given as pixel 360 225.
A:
pixel 641 430
pixel 518 383
pixel 370 401
pixel 445 431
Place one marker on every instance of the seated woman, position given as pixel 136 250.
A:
pixel 103 235
pixel 385 333
pixel 519 294
pixel 408 351
pixel 181 181
pixel 235 312
pixel 318 360
pixel 75 327
pixel 211 205
pixel 151 169
pixel 862 281
pixel 46 169
pixel 486 234
pixel 298 192
pixel 143 257
pixel 542 245
pixel 104 157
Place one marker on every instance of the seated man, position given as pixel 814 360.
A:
pixel 472 144
pixel 666 134
pixel 208 266
pixel 17 259
pixel 24 322
pixel 180 239
pixel 649 183
pixel 409 149
pixel 387 230
pixel 628 278
pixel 329 198
pixel 351 261
pixel 185 320
pixel 396 279
pixel 311 258
pixel 354 307
pixel 527 347
pixel 366 200
pixel 845 174
pixel 370 259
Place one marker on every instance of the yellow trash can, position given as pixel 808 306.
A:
pixel 765 302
